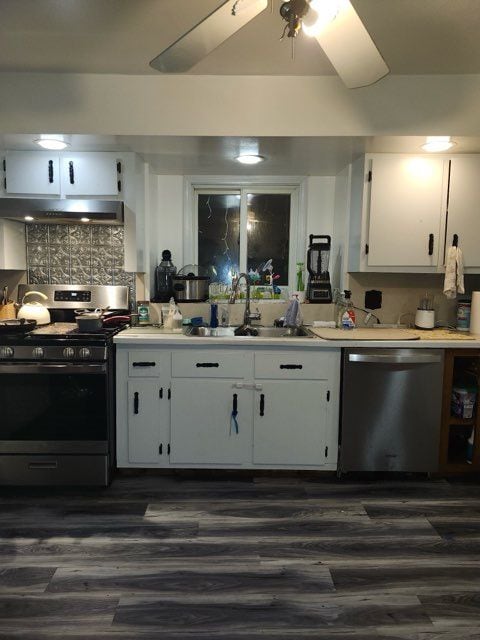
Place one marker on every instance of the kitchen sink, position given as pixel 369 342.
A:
pixel 261 332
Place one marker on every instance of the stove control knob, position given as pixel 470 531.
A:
pixel 68 352
pixel 6 352
pixel 38 352
pixel 84 353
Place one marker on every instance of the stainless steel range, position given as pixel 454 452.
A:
pixel 57 403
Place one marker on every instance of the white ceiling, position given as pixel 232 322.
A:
pixel 122 36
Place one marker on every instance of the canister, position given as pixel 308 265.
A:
pixel 463 315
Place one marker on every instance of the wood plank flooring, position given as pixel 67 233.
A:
pixel 235 557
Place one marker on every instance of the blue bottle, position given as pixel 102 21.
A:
pixel 214 316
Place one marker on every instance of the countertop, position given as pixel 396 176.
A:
pixel 429 339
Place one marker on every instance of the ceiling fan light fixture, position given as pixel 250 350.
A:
pixel 438 144
pixel 249 158
pixel 52 142
pixel 323 12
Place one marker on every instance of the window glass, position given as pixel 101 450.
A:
pixel 219 234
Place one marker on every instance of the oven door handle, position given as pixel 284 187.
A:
pixel 54 369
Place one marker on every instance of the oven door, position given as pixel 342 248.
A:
pixel 54 408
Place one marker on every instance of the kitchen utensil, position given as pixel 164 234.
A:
pixel 34 310
pixel 190 284
pixel 5 296
pixel 90 321
pixel 17 326
pixel 318 258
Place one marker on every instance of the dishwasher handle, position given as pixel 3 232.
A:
pixel 377 358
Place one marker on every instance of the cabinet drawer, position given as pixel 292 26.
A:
pixel 293 365
pixel 147 364
pixel 211 364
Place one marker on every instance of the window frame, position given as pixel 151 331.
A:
pixel 294 185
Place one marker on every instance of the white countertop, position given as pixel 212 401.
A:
pixel 436 339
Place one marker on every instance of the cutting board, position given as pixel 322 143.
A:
pixel 365 334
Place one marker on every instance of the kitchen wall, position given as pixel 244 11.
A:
pixel 77 254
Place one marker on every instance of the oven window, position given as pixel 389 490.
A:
pixel 53 407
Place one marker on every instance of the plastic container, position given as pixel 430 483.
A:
pixel 177 321
pixel 463 401
pixel 214 316
pixel 463 315
pixel 348 315
pixel 143 310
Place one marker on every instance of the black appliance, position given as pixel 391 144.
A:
pixel 57 394
pixel 163 278
pixel 319 288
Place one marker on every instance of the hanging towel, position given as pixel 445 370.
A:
pixel 453 273
pixel 293 315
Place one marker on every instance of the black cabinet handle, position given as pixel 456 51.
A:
pixel 71 172
pixel 43 465
pixel 262 404
pixel 235 403
pixel 168 448
pixel 169 396
pixel 144 364
pixel 430 244
pixel 455 240
pixel 291 366
pixel 207 364
pixel 160 449
pixel 50 171
pixel 135 402
pixel 160 393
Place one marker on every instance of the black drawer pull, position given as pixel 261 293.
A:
pixel 135 402
pixel 207 364
pixel 50 171
pixel 160 393
pixel 262 404
pixel 430 244
pixel 71 172
pixel 291 366
pixel 144 364
pixel 43 465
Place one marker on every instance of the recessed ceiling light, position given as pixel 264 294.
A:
pixel 249 159
pixel 84 219
pixel 52 142
pixel 28 219
pixel 438 143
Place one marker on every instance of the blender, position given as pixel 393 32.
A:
pixel 319 289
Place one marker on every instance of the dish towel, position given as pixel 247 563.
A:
pixel 293 315
pixel 453 273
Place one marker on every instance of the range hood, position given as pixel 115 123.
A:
pixel 62 211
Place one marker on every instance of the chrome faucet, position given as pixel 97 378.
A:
pixel 246 328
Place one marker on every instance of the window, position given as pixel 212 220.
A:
pixel 235 228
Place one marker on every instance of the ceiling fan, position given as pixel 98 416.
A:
pixel 334 24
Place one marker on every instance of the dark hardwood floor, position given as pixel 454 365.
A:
pixel 242 557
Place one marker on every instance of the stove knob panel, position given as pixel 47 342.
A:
pixel 38 352
pixel 69 352
pixel 6 352
pixel 84 353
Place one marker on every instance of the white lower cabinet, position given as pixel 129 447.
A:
pixel 228 408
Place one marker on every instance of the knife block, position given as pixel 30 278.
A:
pixel 7 311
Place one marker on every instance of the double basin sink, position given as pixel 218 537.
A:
pixel 260 332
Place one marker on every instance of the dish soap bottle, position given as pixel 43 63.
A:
pixel 348 316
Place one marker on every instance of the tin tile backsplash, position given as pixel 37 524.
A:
pixel 77 254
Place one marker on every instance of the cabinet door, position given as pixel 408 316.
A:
pixel 464 208
pixel 90 174
pixel 202 427
pixel 148 421
pixel 290 423
pixel 32 173
pixel 12 245
pixel 406 200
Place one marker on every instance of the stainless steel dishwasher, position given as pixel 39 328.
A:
pixel 391 409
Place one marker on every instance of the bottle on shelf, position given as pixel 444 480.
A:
pixel 348 315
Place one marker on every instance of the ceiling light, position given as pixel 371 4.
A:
pixel 28 219
pixel 52 142
pixel 323 12
pixel 249 159
pixel 84 219
pixel 438 143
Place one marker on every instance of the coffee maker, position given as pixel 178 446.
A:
pixel 319 289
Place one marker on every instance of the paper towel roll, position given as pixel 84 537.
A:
pixel 475 313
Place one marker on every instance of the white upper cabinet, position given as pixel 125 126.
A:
pixel 464 208
pixel 90 174
pixel 398 208
pixel 62 174
pixel 29 173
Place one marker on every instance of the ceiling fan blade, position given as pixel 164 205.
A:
pixel 351 50
pixel 205 36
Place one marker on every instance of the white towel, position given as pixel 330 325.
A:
pixel 453 273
